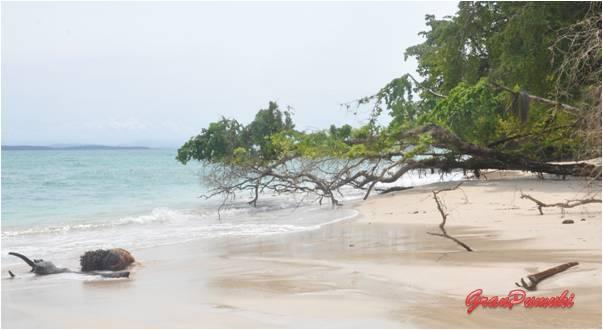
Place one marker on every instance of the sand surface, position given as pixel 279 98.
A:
pixel 379 270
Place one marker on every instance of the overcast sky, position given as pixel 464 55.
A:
pixel 155 73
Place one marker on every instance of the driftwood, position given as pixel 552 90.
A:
pixel 392 189
pixel 112 260
pixel 538 277
pixel 567 205
pixel 445 216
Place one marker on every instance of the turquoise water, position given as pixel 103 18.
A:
pixel 56 204
pixel 69 186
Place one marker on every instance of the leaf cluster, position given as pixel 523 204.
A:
pixel 229 142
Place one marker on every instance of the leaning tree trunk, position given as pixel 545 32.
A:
pixel 488 158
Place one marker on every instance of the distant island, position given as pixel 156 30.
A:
pixel 72 147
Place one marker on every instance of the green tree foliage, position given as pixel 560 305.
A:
pixel 504 41
pixel 471 111
pixel 343 133
pixel 503 85
pixel 467 57
pixel 216 143
pixel 266 123
pixel 229 142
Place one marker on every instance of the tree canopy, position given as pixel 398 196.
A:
pixel 504 85
pixel 227 141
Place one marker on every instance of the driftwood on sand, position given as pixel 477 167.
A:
pixel 392 189
pixel 445 216
pixel 113 260
pixel 534 279
pixel 567 205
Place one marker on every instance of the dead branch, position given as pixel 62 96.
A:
pixel 392 189
pixel 435 192
pixel 420 85
pixel 445 216
pixel 222 206
pixel 256 194
pixel 538 277
pixel 567 205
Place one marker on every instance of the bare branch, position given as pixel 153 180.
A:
pixel 432 92
pixel 538 277
pixel 567 205
pixel 444 215
pixel 568 108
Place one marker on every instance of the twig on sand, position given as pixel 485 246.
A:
pixel 445 216
pixel 392 189
pixel 538 277
pixel 567 205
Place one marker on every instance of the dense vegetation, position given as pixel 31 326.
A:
pixel 504 85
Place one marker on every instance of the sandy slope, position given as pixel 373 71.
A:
pixel 378 270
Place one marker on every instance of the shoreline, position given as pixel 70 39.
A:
pixel 379 269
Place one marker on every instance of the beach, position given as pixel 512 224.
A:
pixel 288 164
pixel 379 269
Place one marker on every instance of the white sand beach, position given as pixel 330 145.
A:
pixel 378 270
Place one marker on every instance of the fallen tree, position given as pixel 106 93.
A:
pixel 473 110
pixel 321 165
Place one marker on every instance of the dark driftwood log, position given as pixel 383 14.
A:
pixel 392 189
pixel 445 216
pixel 568 205
pixel 538 277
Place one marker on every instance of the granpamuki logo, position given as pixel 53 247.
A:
pixel 517 297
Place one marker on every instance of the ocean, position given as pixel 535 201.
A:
pixel 56 204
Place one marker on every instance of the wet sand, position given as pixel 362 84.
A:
pixel 379 270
